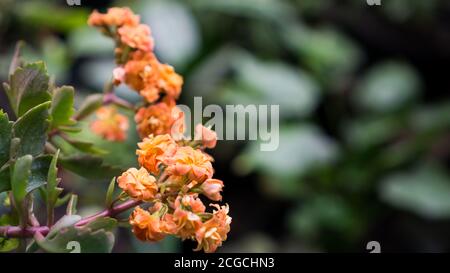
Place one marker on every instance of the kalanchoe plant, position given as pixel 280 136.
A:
pixel 174 170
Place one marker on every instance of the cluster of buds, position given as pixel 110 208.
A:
pixel 174 171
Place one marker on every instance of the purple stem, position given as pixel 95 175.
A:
pixel 16 231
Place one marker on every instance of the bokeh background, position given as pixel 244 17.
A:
pixel 364 108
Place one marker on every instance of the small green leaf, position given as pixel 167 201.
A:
pixel 5 137
pixel 110 192
pixel 70 129
pixel 90 104
pixel 61 201
pixel 89 166
pixel 52 181
pixel 14 149
pixel 62 106
pixel 16 60
pixel 31 129
pixel 106 223
pixel 39 170
pixel 21 172
pixel 28 87
pixel 72 205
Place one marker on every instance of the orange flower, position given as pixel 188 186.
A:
pixel 114 17
pixel 190 162
pixel 159 119
pixel 158 78
pixel 206 135
pixel 138 184
pixel 190 202
pixel 146 226
pixel 211 188
pixel 155 149
pixel 134 68
pixel 184 221
pixel 110 124
pixel 144 73
pixel 214 231
pixel 137 37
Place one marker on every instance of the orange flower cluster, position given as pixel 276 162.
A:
pixel 110 124
pixel 171 177
pixel 174 171
pixel 138 66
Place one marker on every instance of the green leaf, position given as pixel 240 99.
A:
pixel 89 166
pixel 72 205
pixel 300 149
pixel 387 87
pixel 52 182
pixel 85 146
pixel 5 184
pixel 38 178
pixel 62 109
pixel 5 137
pixel 329 53
pixel 298 96
pixel 92 238
pixel 424 191
pixel 61 201
pixel 31 129
pixel 90 104
pixel 110 192
pixel 106 223
pixel 28 87
pixel 39 170
pixel 21 172
pixel 7 245
pixel 16 60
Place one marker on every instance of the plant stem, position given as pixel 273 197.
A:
pixel 17 231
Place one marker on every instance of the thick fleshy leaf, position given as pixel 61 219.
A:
pixel 5 137
pixel 28 87
pixel 62 109
pixel 92 238
pixel 31 129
